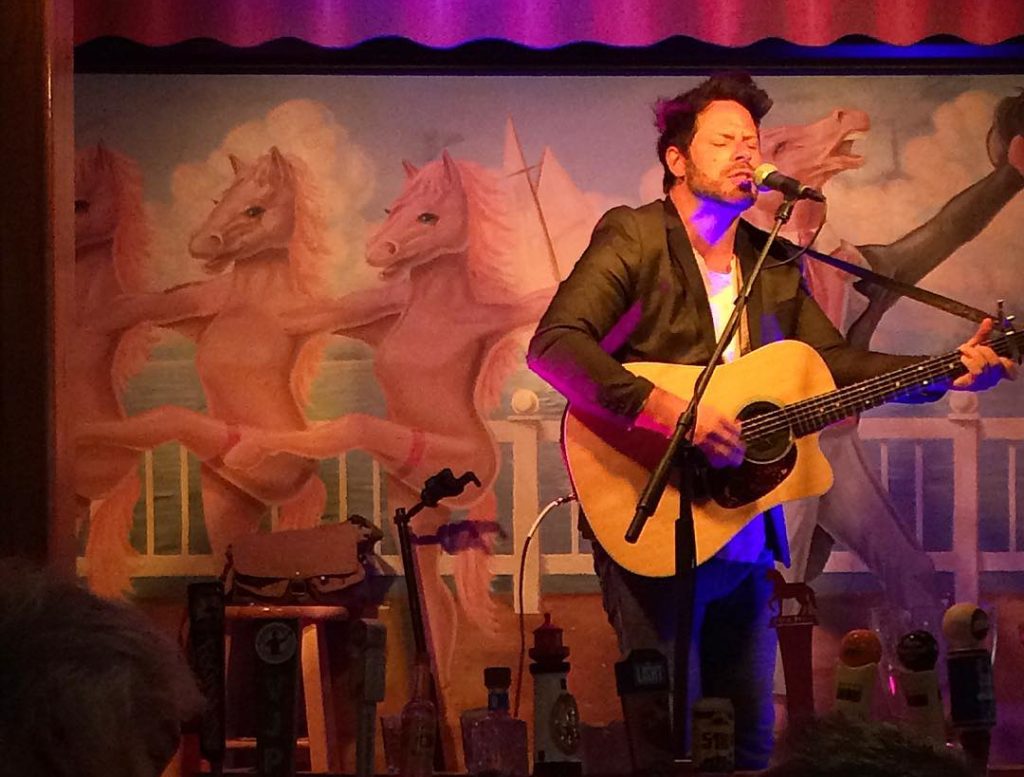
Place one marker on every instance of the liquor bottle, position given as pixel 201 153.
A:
pixel 556 717
pixel 419 727
pixel 495 743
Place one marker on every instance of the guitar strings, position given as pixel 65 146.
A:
pixel 816 410
pixel 815 413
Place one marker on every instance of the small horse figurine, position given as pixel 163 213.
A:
pixel 801 592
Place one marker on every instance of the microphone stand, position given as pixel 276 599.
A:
pixel 680 455
pixel 437 487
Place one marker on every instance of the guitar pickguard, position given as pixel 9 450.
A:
pixel 769 460
pixel 733 487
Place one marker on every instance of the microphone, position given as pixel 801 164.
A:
pixel 917 652
pixel 857 673
pixel 767 176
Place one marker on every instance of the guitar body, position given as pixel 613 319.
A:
pixel 609 465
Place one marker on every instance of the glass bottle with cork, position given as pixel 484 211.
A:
pixel 495 742
pixel 419 727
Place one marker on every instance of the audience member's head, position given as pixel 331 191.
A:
pixel 88 687
pixel 837 746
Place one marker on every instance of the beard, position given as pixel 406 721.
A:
pixel 724 190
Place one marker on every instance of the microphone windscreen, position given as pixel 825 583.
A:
pixel 763 171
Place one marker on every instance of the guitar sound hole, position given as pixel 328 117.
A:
pixel 764 447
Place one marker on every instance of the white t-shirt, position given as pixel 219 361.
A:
pixel 722 289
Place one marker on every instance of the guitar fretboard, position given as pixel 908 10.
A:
pixel 814 414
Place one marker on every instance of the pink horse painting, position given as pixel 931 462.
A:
pixel 441 328
pixel 111 247
pixel 261 242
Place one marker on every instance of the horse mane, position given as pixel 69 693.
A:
pixel 307 252
pixel 132 234
pixel 491 246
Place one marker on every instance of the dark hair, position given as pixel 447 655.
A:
pixel 676 119
pixel 88 686
pixel 837 746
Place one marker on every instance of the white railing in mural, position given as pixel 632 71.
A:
pixel 525 436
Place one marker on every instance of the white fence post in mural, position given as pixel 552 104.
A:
pixel 525 506
pixel 966 443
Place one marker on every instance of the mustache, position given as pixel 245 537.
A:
pixel 745 169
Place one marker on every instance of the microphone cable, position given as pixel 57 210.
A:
pixel 519 591
pixel 805 248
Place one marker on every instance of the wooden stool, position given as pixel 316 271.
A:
pixel 317 682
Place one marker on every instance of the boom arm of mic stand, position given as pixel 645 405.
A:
pixel 652 492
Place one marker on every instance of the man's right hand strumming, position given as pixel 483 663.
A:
pixel 717 434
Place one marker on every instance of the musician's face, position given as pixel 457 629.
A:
pixel 720 162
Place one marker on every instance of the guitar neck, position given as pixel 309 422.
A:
pixel 814 414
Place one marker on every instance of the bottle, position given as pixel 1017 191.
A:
pixel 496 742
pixel 556 717
pixel 419 727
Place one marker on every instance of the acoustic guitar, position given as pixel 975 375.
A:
pixel 784 396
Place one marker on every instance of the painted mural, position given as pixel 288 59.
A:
pixel 298 297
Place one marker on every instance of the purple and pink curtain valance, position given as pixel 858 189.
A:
pixel 546 23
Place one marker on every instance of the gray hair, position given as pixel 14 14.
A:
pixel 88 687
pixel 836 746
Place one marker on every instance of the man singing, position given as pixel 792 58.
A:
pixel 658 283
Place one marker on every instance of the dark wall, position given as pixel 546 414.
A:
pixel 36 230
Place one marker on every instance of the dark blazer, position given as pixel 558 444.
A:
pixel 637 294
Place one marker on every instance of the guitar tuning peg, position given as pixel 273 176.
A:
pixel 1005 324
pixel 1005 321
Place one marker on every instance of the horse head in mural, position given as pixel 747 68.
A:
pixel 442 327
pixel 430 218
pixel 813 154
pixel 111 248
pixel 261 243
pixel 268 214
pixel 109 214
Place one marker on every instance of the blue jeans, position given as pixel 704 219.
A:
pixel 732 654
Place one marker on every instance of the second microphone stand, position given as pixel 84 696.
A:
pixel 680 455
pixel 443 484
